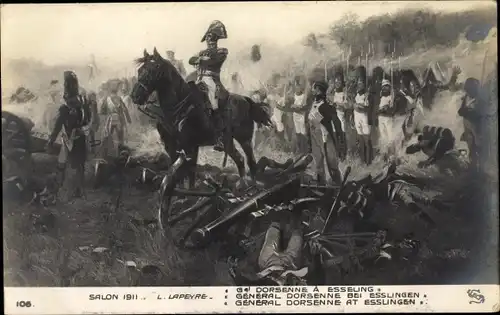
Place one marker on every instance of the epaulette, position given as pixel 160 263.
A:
pixel 222 50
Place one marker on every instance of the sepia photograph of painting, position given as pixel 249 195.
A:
pixel 249 143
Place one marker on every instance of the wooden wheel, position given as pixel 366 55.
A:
pixel 182 212
pixel 16 132
pixel 16 143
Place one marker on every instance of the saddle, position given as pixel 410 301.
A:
pixel 211 120
pixel 201 89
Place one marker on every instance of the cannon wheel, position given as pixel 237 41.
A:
pixel 15 133
pixel 170 219
pixel 209 206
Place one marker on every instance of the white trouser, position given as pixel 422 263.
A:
pixel 319 137
pixel 299 120
pixel 212 88
pixel 391 130
pixel 277 119
pixel 385 125
pixel 361 123
pixel 343 122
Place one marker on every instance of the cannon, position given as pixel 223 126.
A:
pixel 218 209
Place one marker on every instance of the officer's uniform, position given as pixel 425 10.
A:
pixel 344 108
pixel 322 122
pixel 209 70
pixel 209 63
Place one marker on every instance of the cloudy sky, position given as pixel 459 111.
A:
pixel 65 33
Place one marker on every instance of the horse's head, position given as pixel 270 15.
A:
pixel 154 72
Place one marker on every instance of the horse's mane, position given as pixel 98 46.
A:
pixel 142 60
pixel 139 61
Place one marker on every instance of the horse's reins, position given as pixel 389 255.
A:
pixel 177 107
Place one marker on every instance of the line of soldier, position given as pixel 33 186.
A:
pixel 376 114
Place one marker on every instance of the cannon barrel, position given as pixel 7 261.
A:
pixel 272 196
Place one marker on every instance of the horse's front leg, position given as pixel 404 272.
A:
pixel 238 160
pixel 252 164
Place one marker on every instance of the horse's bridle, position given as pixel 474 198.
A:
pixel 144 87
pixel 177 107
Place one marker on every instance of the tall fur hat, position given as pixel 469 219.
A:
pixel 361 73
pixel 322 85
pixel 70 84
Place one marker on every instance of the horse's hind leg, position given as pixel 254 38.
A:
pixel 237 158
pixel 252 164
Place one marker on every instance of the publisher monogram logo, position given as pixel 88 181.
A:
pixel 475 296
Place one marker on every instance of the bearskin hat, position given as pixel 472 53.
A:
pixel 321 85
pixel 407 76
pixel 339 74
pixel 70 84
pixel 471 86
pixel 378 72
pixel 361 73
pixel 255 54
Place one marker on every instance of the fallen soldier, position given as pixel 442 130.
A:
pixel 277 265
pixel 360 197
pixel 438 144
pixel 22 95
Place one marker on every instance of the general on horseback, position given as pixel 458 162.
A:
pixel 199 114
pixel 209 63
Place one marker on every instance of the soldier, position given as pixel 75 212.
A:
pixel 209 63
pixel 73 118
pixel 55 94
pixel 95 119
pixel 361 115
pixel 277 116
pixel 127 100
pixel 284 105
pixel 386 118
pixel 472 110
pixel 117 116
pixel 299 115
pixel 344 112
pixel 278 265
pixel 434 142
pixel 325 132
pixel 415 106
pixel 177 63
pixel 237 86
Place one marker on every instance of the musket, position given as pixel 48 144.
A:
pixel 337 200
pixel 348 57
pixel 275 195
pixel 392 73
pixel 366 56
pixel 483 69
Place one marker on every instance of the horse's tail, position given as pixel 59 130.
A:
pixel 260 112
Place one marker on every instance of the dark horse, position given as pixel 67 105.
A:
pixel 186 125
